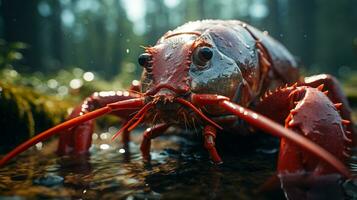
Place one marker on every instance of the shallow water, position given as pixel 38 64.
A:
pixel 180 169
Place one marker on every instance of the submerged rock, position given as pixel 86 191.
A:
pixel 49 180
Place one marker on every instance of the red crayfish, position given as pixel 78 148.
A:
pixel 217 73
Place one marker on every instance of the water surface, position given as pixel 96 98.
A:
pixel 180 169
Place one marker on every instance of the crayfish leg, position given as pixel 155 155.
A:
pixel 78 139
pixel 209 133
pixel 126 138
pixel 149 134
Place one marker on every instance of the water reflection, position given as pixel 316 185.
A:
pixel 303 186
pixel 179 169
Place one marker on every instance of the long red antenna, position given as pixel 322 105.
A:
pixel 70 123
pixel 141 112
pixel 187 103
pixel 141 118
pixel 52 131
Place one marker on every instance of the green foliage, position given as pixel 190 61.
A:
pixel 73 85
pixel 31 103
pixel 10 53
pixel 350 87
pixel 24 112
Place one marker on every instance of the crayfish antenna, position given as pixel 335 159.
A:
pixel 197 111
pixel 69 124
pixel 129 125
pixel 52 131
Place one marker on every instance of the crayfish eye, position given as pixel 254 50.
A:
pixel 144 59
pixel 202 56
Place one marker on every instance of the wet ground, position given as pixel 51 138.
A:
pixel 180 169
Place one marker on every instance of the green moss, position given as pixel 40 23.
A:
pixel 24 112
pixel 350 88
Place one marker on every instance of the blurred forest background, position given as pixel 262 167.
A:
pixel 105 36
pixel 53 53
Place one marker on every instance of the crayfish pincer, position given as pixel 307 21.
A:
pixel 214 73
